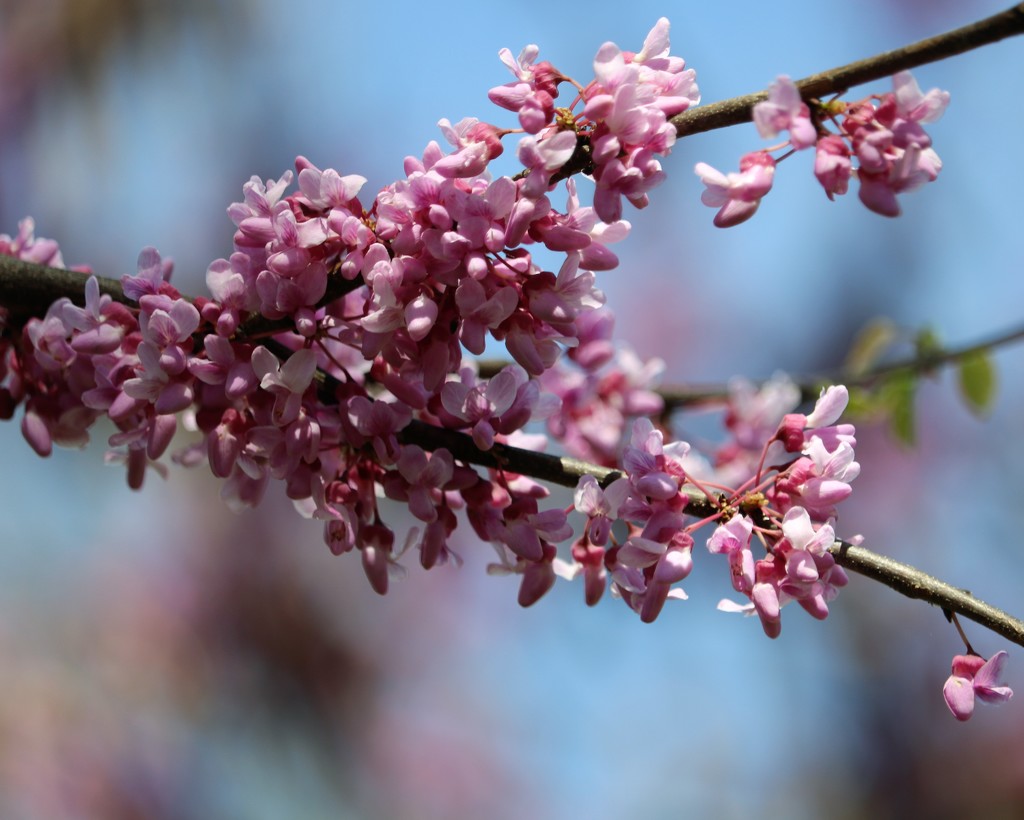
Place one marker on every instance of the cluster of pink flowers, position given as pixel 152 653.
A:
pixel 882 133
pixel 338 328
pixel 367 311
pixel 790 505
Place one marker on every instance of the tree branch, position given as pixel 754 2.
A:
pixel 27 289
pixel 738 110
pixel 913 583
pixel 902 578
pixel 676 397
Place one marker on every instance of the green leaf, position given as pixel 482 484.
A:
pixel 897 395
pixel 927 346
pixel 874 339
pixel 977 377
pixel 862 404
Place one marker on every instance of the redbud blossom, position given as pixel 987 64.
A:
pixel 973 677
pixel 785 111
pixel 737 196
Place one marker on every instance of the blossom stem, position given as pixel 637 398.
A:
pixel 956 622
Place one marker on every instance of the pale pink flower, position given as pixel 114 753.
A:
pixel 832 165
pixel 737 195
pixel 733 539
pixel 288 382
pixel 785 110
pixel 974 677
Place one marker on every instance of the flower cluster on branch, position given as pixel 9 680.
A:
pixel 340 326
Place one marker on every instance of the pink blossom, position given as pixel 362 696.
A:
pixel 477 143
pixel 100 325
pixel 601 506
pixel 588 559
pixel 379 421
pixel 733 539
pixel 907 170
pixel 974 677
pixel 288 382
pixel 785 110
pixel 152 276
pixel 25 245
pixel 912 104
pixel 481 313
pixel 327 189
pixel 737 195
pixel 832 165
pixel 796 430
pixel 502 404
pixel 534 92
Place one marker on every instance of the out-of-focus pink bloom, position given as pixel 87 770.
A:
pixel 785 110
pixel 832 165
pixel 912 104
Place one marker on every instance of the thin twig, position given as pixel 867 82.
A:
pixel 738 110
pixel 678 397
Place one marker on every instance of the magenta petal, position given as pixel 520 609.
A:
pixel 654 601
pixel 375 565
pixel 734 212
pixel 991 671
pixel 986 682
pixel 537 580
pixel 103 338
pixel 523 541
pixel 174 398
pixel 673 567
pixel 829 407
pixel 959 695
pixel 658 485
pixel 160 436
pixel 36 433
pixel 223 449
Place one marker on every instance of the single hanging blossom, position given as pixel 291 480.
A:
pixel 973 677
pixel 737 196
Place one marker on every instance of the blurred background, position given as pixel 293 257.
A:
pixel 161 657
